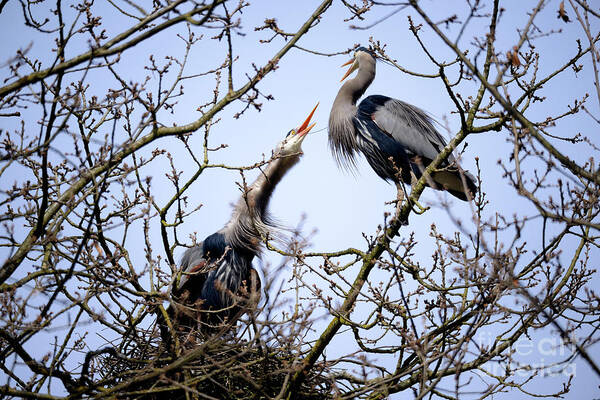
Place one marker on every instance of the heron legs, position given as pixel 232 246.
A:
pixel 399 200
pixel 415 206
pixel 413 182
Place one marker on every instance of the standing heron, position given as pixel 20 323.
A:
pixel 397 139
pixel 218 283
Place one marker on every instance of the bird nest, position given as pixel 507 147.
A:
pixel 221 368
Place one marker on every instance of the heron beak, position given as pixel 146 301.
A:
pixel 305 127
pixel 352 68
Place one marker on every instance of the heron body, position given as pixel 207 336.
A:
pixel 214 271
pixel 397 139
pixel 217 282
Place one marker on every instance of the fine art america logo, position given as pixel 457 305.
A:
pixel 549 355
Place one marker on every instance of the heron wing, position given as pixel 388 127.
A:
pixel 193 269
pixel 408 125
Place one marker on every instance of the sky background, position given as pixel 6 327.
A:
pixel 338 207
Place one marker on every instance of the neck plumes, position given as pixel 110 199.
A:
pixel 250 218
pixel 342 138
pixel 261 190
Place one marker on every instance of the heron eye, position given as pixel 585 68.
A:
pixel 291 133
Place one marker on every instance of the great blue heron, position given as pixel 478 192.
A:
pixel 397 139
pixel 217 280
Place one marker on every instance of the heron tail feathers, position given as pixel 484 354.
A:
pixel 460 184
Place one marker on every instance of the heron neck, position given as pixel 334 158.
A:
pixel 354 88
pixel 342 140
pixel 260 192
pixel 250 219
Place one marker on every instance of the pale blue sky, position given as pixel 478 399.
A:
pixel 340 206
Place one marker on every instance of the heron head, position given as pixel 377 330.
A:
pixel 360 54
pixel 292 144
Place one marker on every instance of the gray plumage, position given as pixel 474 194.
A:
pixel 391 134
pixel 217 282
pixel 229 252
